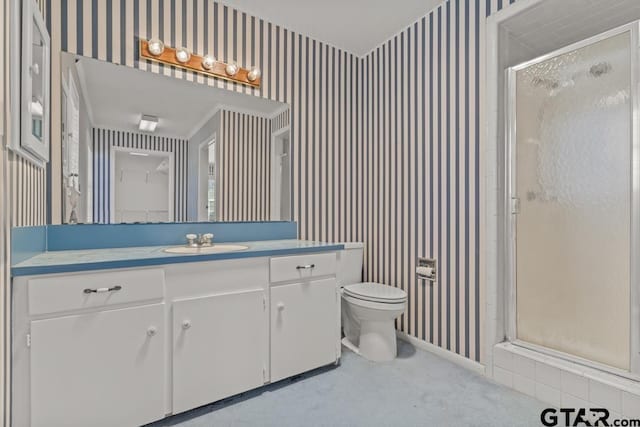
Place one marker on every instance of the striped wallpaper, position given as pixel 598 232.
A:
pixel 104 139
pixel 386 148
pixel 280 121
pixel 27 181
pixel 421 115
pixel 421 98
pixel 244 161
pixel 29 192
pixel 421 176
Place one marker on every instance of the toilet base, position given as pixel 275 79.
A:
pixel 369 328
pixel 354 348
pixel 378 341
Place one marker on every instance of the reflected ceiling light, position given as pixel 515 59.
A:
pixel 231 69
pixel 133 153
pixel 183 55
pixel 148 123
pixel 156 47
pixel 208 61
pixel 254 74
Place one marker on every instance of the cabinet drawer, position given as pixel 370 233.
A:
pixel 303 266
pixel 64 293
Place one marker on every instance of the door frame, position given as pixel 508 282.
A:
pixel 276 179
pixel 211 139
pixel 509 195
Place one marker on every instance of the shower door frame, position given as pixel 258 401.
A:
pixel 510 231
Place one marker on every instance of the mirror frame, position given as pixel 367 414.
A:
pixel 21 50
pixel 224 104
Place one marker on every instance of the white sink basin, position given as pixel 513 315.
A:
pixel 215 249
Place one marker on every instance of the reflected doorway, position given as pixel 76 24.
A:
pixel 207 173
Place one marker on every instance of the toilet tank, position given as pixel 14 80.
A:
pixel 350 263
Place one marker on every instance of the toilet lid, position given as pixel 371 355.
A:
pixel 377 292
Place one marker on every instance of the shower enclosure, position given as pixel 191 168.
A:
pixel 574 187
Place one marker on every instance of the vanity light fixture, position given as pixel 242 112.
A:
pixel 208 62
pixel 148 123
pixel 231 69
pixel 254 74
pixel 156 47
pixel 155 50
pixel 183 55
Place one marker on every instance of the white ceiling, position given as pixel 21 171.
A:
pixel 552 24
pixel 357 26
pixel 119 95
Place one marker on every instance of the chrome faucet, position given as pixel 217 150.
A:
pixel 199 240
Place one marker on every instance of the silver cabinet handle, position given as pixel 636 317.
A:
pixel 305 267
pixel 102 290
pixel 186 324
pixel 152 331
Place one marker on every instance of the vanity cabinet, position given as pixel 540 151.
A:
pixel 103 368
pixel 126 347
pixel 303 327
pixel 219 347
pixel 305 332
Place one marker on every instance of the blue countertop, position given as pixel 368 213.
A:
pixel 98 259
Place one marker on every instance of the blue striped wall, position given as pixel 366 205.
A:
pixel 419 156
pixel 244 166
pixel 28 185
pixel 421 171
pixel 386 148
pixel 104 139
pixel 280 121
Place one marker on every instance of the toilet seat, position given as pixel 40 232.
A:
pixel 375 292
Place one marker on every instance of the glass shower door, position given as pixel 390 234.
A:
pixel 571 182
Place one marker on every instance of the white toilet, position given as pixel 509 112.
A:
pixel 368 309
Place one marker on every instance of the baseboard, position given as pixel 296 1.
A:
pixel 469 364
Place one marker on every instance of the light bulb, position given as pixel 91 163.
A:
pixel 208 61
pixel 254 74
pixel 155 46
pixel 231 69
pixel 183 55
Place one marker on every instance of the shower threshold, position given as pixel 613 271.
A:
pixel 549 355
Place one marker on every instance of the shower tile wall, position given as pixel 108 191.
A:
pixel 563 384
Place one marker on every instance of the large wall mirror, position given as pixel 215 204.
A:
pixel 143 147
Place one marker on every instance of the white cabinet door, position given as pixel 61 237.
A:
pixel 304 329
pixel 219 347
pixel 99 369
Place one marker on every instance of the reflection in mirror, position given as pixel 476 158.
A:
pixel 142 172
pixel 37 89
pixel 34 73
pixel 207 177
pixel 143 147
